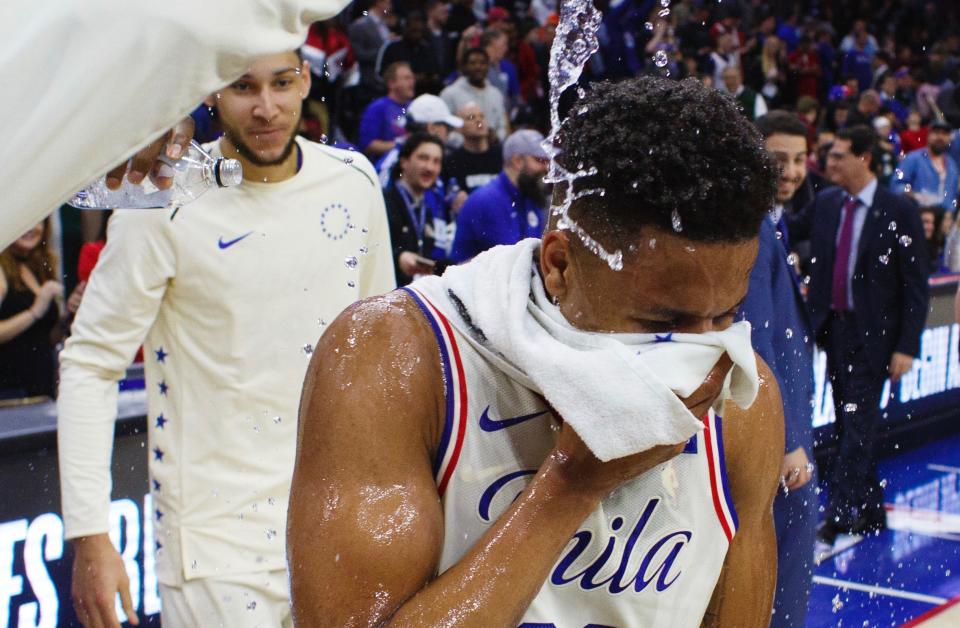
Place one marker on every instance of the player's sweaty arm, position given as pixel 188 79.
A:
pixel 753 444
pixel 365 526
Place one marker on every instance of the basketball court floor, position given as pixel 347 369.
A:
pixel 908 575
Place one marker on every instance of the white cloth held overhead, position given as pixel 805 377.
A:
pixel 620 392
pixel 96 80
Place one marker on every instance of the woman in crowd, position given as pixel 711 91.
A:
pixel 29 315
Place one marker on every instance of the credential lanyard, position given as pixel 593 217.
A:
pixel 418 225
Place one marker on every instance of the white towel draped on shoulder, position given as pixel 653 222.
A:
pixel 620 392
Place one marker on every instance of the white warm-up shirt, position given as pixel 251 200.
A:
pixel 92 81
pixel 228 296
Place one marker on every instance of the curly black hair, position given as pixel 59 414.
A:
pixel 660 146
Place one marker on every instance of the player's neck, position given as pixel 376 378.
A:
pixel 258 173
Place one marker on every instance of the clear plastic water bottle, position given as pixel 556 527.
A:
pixel 194 173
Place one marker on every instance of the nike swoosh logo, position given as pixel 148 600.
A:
pixel 492 425
pixel 229 243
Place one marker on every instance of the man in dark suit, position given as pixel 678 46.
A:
pixel 783 338
pixel 868 303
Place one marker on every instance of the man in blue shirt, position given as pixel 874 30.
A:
pixel 509 208
pixel 929 174
pixel 385 119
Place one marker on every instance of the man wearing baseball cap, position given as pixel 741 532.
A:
pixel 427 113
pixel 509 208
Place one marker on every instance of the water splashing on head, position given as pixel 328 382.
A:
pixel 575 42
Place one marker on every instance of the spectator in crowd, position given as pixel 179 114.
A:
pixel 857 61
pixel 888 98
pixel 868 106
pixel 932 218
pixel 726 55
pixel 868 299
pixel 368 34
pixel 29 315
pixel 888 149
pixel 426 114
pixel 502 73
pixel 805 63
pixel 385 119
pixel 751 103
pixel 930 175
pixel 441 41
pixel 782 337
pixel 859 34
pixel 473 86
pixel 420 227
pixel 773 65
pixel 509 208
pixel 415 49
pixel 216 292
pixel 479 160
pixel 914 136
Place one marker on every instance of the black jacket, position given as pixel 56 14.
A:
pixel 890 290
pixel 403 234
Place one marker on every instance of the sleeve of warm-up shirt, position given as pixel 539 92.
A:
pixel 99 79
pixel 376 270
pixel 119 306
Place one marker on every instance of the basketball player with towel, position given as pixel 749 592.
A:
pixel 537 439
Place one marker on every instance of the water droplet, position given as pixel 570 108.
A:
pixel 899 174
pixel 252 606
pixel 664 12
pixel 364 250
pixel 652 243
pixel 849 407
pixel 308 349
pixel 648 26
pixel 321 322
pixel 779 234
pixel 351 284
pixel 256 429
pixel 364 230
pixel 277 420
pixel 813 260
pixel 837 603
pixel 883 483
pixel 348 160
pixel 271 534
pixel 351 262
pixel 789 333
pixel 272 500
pixel 660 58
pixel 884 259
pixel 906 240
pixel 324 139
pixel 675 221
pixel 892 226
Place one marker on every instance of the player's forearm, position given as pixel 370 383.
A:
pixel 495 582
pixel 86 412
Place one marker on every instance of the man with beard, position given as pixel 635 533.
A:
pixel 225 295
pixel 509 208
pixel 929 174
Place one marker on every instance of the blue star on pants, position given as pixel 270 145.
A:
pixel 163 387
pixel 161 355
pixel 157 454
pixel 161 421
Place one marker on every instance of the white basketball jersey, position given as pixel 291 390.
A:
pixel 649 555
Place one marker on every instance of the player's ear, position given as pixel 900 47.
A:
pixel 555 261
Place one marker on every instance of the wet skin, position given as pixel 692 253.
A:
pixel 365 526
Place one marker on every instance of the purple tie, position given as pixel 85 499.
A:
pixel 842 262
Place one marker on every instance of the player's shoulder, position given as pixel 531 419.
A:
pixel 354 163
pixel 389 324
pixel 763 420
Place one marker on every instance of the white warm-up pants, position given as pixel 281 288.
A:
pixel 257 600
